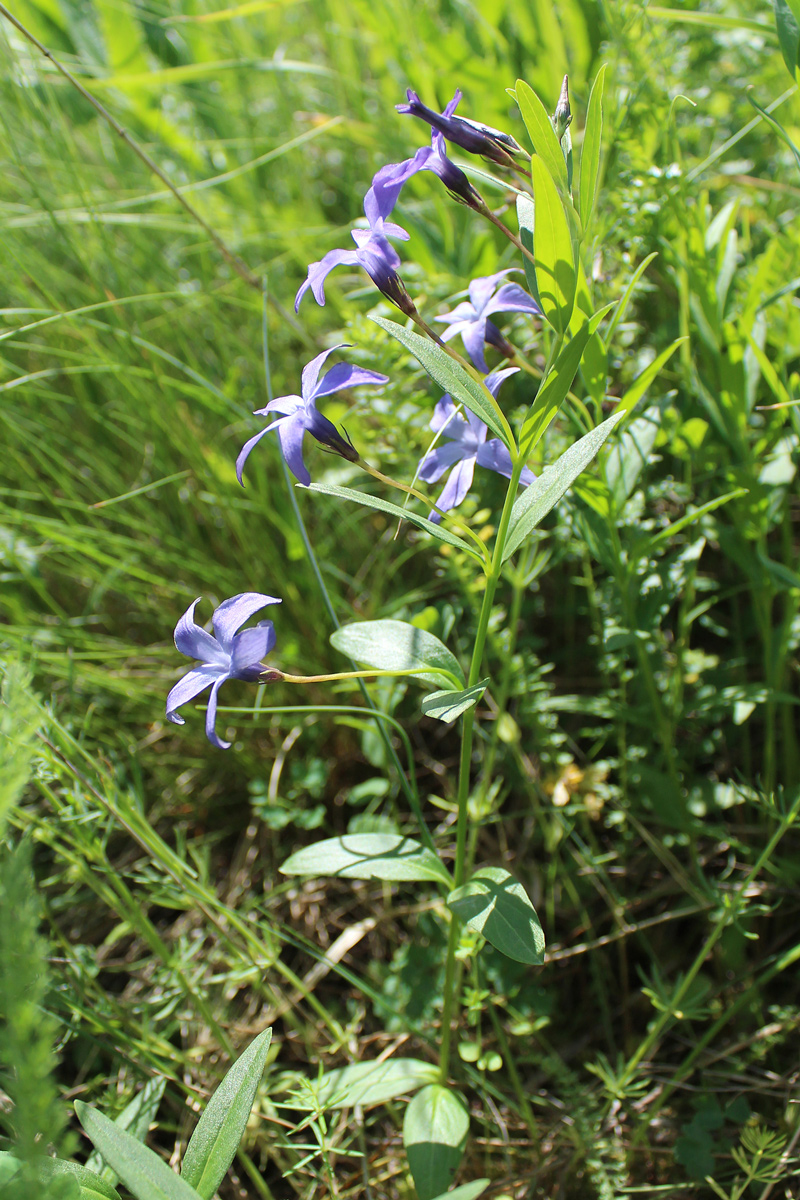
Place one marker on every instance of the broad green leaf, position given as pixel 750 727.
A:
pixel 552 249
pixel 219 1131
pixel 452 378
pixel 592 143
pixel 497 906
pixel 90 1186
pixel 540 130
pixel 368 856
pixel 434 1134
pixel 643 380
pixel 787 20
pixel 525 218
pixel 467 1191
pixel 553 391
pixel 446 706
pixel 545 492
pixel 394 510
pixel 374 1082
pixel 136 1117
pixel 398 646
pixel 142 1171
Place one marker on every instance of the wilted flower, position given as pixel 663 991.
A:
pixel 472 136
pixel 300 415
pixel 470 318
pixel 375 254
pixel 390 179
pixel 465 447
pixel 227 654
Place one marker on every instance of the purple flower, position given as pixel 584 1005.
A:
pixel 472 136
pixel 375 254
pixel 300 415
pixel 390 179
pixel 227 655
pixel 466 446
pixel 470 318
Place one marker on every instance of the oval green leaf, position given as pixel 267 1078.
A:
pixel 552 249
pixel 373 1082
pixel 139 1168
pixel 216 1138
pixel 545 492
pixel 399 646
pixel 368 856
pixel 446 706
pixel 452 378
pixel 497 906
pixel 434 1134
pixel 394 510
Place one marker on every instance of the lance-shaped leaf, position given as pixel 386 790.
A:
pixel 398 646
pixel 545 492
pixel 136 1117
pixel 368 856
pixel 497 906
pixel 553 391
pixel 435 1132
pixel 552 249
pixel 394 510
pixel 592 143
pixel 446 706
pixel 219 1131
pixel 525 217
pixel 374 1082
pixel 467 1191
pixel 142 1171
pixel 452 378
pixel 543 136
pixel 90 1186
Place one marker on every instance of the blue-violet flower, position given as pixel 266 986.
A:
pixel 471 136
pixel 300 415
pixel 470 318
pixel 227 654
pixel 465 447
pixel 375 254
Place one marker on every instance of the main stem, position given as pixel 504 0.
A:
pixel 468 727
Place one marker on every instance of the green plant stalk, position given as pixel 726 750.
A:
pixel 727 916
pixel 467 732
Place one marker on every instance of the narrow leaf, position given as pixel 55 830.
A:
pixel 142 1171
pixel 219 1131
pixel 628 457
pixel 394 510
pixel 452 378
pixel 497 906
pixel 787 20
pixel 446 706
pixel 689 518
pixel 368 856
pixel 90 1185
pixel 545 492
pixel 592 143
pixel 467 1191
pixel 778 128
pixel 434 1134
pixel 552 249
pixel 643 380
pixel 398 646
pixel 625 299
pixel 553 391
pixel 543 136
pixel 525 217
pixel 136 1117
pixel 374 1082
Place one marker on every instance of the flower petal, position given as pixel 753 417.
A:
pixel 473 335
pixel 512 298
pixel 191 685
pixel 318 272
pixel 233 613
pixel 440 459
pixel 193 641
pixel 444 414
pixel 495 381
pixel 481 289
pixel 248 446
pixel 282 404
pixel 465 311
pixel 494 455
pixel 311 370
pixel 211 717
pixel 247 650
pixel 345 375
pixel 456 488
pixel 290 434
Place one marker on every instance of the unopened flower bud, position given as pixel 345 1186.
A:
pixel 562 117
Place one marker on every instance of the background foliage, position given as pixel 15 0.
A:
pixel 655 738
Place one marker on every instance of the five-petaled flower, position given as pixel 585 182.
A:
pixel 228 654
pixel 470 318
pixel 389 181
pixel 300 415
pixel 465 447
pixel 375 254
pixel 472 136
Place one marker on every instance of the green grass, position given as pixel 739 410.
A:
pixel 654 667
